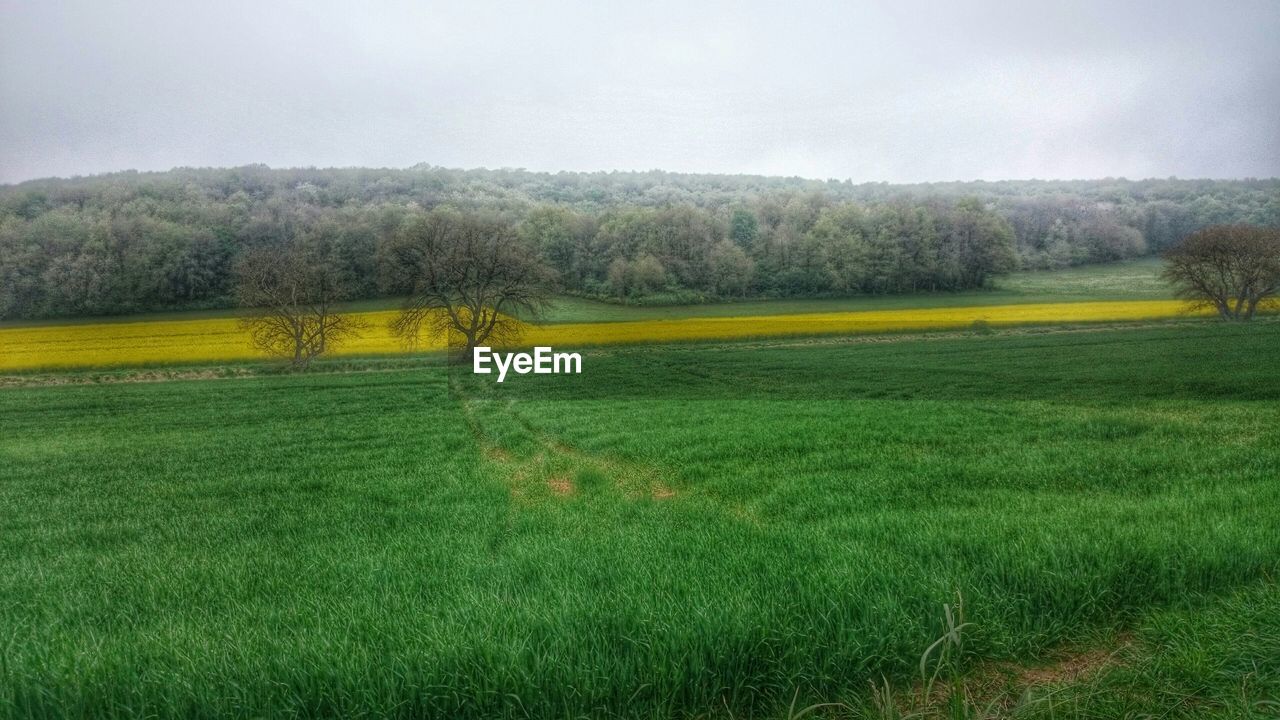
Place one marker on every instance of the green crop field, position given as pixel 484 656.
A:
pixel 631 361
pixel 725 530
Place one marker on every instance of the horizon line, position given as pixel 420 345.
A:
pixel 425 166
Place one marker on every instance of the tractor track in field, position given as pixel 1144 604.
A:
pixel 548 466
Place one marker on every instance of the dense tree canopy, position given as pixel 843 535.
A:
pixel 129 242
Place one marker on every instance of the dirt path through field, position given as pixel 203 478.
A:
pixel 536 464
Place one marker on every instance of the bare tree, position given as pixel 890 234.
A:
pixel 290 295
pixel 466 276
pixel 1231 268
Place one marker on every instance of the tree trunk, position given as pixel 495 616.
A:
pixel 465 355
pixel 298 345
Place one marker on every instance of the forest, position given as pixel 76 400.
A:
pixel 131 242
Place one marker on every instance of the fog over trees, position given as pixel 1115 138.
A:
pixel 129 242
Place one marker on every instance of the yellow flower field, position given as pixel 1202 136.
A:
pixel 220 339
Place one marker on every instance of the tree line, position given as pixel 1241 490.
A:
pixel 130 242
pixel 466 278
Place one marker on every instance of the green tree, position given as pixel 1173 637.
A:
pixel 731 269
pixel 557 234
pixel 744 229
pixel 981 244
pixel 647 274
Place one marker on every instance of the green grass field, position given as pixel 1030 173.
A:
pixel 726 530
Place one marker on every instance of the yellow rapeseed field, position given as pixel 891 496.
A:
pixel 221 339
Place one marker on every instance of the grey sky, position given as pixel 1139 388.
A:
pixel 896 91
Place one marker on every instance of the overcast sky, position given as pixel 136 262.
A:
pixel 896 91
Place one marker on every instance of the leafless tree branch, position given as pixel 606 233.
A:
pixel 290 295
pixel 471 275
pixel 1234 269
